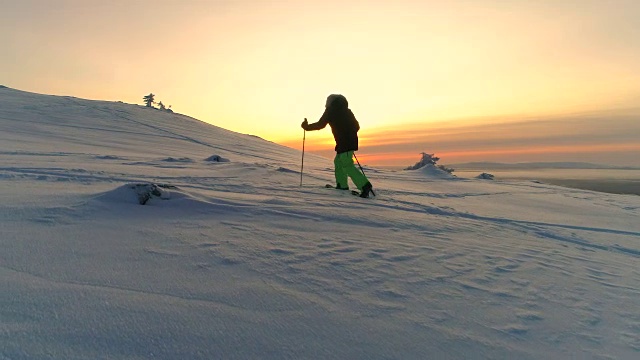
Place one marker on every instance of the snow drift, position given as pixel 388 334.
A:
pixel 237 261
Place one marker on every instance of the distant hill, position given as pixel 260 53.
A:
pixel 37 123
pixel 535 165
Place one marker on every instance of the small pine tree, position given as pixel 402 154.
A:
pixel 161 105
pixel 149 99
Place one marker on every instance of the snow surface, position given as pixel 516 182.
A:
pixel 239 262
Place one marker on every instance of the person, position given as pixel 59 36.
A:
pixel 344 127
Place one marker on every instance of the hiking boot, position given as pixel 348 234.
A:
pixel 366 190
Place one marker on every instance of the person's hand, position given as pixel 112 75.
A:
pixel 305 124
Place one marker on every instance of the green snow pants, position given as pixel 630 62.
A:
pixel 345 168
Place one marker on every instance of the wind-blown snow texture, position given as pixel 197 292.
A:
pixel 239 262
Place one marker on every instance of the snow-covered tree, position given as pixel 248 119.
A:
pixel 429 159
pixel 149 99
pixel 426 159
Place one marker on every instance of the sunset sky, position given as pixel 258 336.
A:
pixel 468 80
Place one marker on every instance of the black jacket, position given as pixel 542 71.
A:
pixel 344 125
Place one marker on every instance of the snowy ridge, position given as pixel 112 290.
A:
pixel 234 260
pixel 73 126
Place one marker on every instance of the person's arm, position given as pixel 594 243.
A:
pixel 321 124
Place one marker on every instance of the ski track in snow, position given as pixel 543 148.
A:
pixel 240 262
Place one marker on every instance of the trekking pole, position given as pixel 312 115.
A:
pixel 304 135
pixel 361 169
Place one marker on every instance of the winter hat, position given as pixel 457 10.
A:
pixel 333 97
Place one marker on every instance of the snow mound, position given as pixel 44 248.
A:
pixel 216 158
pixel 433 172
pixel 166 196
pixel 485 176
pixel 138 193
pixel 108 157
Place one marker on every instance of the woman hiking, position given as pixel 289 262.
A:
pixel 344 127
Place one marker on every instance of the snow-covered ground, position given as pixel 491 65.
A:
pixel 234 260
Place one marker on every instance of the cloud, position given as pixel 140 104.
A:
pixel 614 132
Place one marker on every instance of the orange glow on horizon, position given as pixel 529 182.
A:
pixel 560 137
pixel 404 65
pixel 481 155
